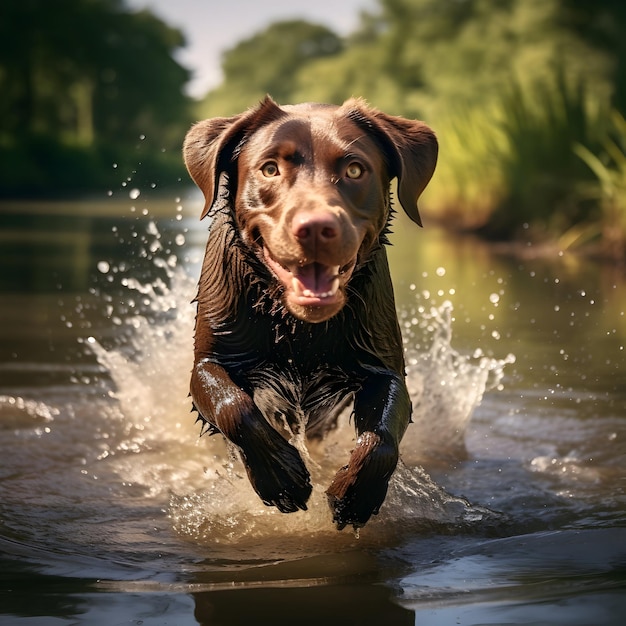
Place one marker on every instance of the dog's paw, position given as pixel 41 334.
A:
pixel 359 502
pixel 358 490
pixel 280 479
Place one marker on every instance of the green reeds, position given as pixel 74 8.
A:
pixel 609 167
pixel 510 167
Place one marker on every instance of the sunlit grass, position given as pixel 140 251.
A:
pixel 468 183
pixel 538 159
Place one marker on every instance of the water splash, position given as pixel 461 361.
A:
pixel 209 498
pixel 154 358
pixel 17 412
pixel 150 356
pixel 446 386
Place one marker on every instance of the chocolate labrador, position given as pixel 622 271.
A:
pixel 296 317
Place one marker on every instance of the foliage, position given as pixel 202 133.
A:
pixel 469 180
pixel 517 91
pixel 509 85
pixel 601 25
pixel 422 55
pixel 510 167
pixel 82 80
pixel 609 167
pixel 541 174
pixel 269 62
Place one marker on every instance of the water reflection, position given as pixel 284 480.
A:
pixel 563 317
pixel 352 603
pixel 54 247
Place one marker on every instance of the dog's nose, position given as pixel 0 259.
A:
pixel 310 227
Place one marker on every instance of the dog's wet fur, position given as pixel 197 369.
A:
pixel 296 317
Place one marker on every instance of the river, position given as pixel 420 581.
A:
pixel 508 507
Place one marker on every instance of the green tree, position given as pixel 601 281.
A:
pixel 602 23
pixel 83 78
pixel 269 62
pixel 442 53
pixel 417 57
pixel 509 85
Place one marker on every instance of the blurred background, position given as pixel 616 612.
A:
pixel 527 97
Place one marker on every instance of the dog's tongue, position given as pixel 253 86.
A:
pixel 316 280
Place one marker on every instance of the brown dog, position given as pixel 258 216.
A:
pixel 296 316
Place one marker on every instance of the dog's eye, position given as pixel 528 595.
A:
pixel 270 169
pixel 354 170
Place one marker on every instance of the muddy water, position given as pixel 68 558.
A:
pixel 508 506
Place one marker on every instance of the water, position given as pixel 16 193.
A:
pixel 508 506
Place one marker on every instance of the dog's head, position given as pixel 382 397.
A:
pixel 310 184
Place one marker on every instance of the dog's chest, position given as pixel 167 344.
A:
pixel 297 373
pixel 289 398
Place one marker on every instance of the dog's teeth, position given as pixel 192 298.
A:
pixel 299 289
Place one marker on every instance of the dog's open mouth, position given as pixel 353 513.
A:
pixel 311 284
pixel 315 281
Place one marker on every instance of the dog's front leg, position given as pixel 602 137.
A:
pixel 382 410
pixel 274 467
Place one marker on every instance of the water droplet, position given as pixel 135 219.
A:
pixel 440 271
pixel 103 267
pixel 134 193
pixel 494 298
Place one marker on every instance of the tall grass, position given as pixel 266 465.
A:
pixel 609 167
pixel 510 167
pixel 541 173
pixel 468 181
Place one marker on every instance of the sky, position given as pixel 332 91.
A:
pixel 212 26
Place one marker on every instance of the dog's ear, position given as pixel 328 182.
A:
pixel 410 147
pixel 212 146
